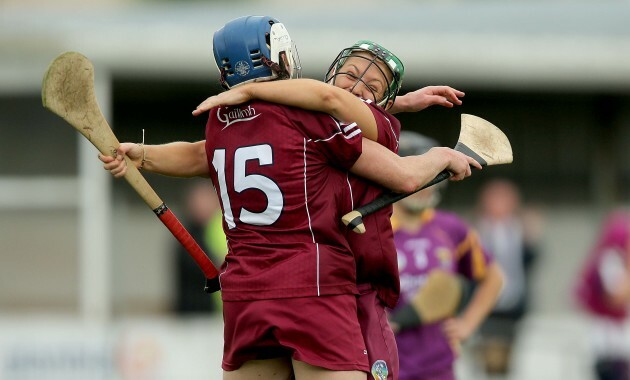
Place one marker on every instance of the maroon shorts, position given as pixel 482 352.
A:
pixel 321 331
pixel 378 335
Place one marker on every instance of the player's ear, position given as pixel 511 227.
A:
pixel 389 104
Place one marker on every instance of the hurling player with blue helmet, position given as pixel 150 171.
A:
pixel 372 73
pixel 289 280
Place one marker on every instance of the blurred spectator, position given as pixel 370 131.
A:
pixel 504 230
pixel 603 291
pixel 428 241
pixel 203 221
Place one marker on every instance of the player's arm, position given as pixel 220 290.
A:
pixel 176 159
pixel 407 174
pixel 426 97
pixel 307 94
pixel 621 294
pixel 615 275
pixel 483 300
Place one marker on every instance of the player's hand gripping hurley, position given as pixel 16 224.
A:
pixel 68 91
pixel 478 139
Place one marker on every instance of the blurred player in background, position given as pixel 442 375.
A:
pixel 430 240
pixel 603 291
pixel 203 219
pixel 511 235
pixel 374 74
pixel 288 282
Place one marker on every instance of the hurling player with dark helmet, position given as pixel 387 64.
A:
pixel 433 242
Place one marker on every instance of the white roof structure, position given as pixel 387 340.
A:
pixel 536 44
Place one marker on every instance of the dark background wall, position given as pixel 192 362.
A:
pixel 569 148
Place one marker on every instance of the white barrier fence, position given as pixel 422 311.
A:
pixel 54 348
pixel 59 348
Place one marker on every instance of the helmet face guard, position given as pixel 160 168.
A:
pixel 377 53
pixel 252 49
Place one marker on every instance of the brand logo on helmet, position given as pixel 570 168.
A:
pixel 241 68
pixel 235 115
pixel 282 39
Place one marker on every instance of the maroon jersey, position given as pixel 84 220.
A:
pixel 374 250
pixel 611 249
pixel 281 197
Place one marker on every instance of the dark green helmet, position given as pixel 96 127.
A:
pixel 395 66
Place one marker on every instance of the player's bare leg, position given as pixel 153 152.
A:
pixel 304 371
pixel 272 369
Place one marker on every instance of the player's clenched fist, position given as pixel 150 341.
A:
pixel 460 165
pixel 117 166
pixel 457 163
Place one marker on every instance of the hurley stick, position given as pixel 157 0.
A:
pixel 68 91
pixel 478 139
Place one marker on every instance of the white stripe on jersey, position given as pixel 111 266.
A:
pixel 308 214
pixel 393 132
pixel 350 190
pixel 338 133
pixel 349 127
pixel 356 132
pixel 342 131
pixel 319 293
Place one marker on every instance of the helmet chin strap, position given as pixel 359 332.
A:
pixel 278 68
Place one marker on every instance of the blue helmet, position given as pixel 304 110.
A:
pixel 252 49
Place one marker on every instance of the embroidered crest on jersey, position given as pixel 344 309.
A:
pixel 379 370
pixel 235 115
pixel 241 68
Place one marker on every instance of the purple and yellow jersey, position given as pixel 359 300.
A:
pixel 446 242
